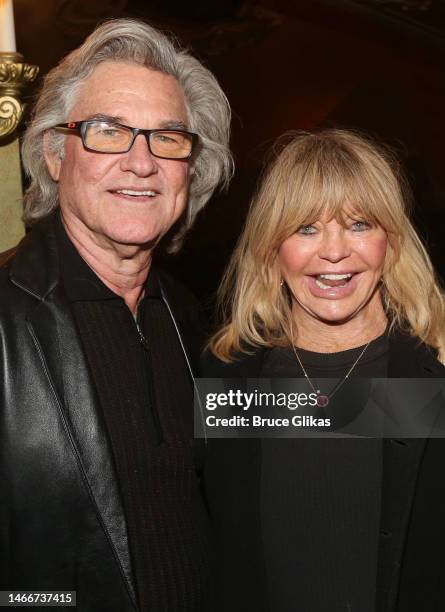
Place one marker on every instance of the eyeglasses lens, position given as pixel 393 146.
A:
pixel 170 144
pixel 108 138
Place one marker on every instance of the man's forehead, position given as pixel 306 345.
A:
pixel 125 90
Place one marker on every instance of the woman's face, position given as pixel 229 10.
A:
pixel 333 270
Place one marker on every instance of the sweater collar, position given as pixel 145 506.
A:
pixel 46 255
pixel 80 281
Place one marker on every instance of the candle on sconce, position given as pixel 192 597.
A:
pixel 7 32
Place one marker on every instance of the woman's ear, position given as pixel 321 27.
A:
pixel 52 159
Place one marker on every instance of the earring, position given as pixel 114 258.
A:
pixel 281 283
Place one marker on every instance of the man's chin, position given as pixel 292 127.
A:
pixel 135 238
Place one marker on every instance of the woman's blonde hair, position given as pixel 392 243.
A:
pixel 316 173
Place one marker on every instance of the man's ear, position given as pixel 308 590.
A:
pixel 53 160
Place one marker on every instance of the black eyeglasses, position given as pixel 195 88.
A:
pixel 108 137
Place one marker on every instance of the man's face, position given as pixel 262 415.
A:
pixel 89 182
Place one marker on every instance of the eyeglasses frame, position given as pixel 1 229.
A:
pixel 80 127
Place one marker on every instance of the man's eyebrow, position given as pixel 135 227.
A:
pixel 170 124
pixel 173 125
pixel 102 117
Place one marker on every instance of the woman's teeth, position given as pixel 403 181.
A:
pixel 332 280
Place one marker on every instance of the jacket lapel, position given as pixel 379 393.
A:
pixel 402 460
pixel 53 332
pixel 62 357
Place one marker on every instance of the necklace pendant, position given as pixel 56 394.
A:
pixel 322 400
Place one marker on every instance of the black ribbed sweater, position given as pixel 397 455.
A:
pixel 146 398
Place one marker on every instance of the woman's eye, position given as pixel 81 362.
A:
pixel 306 230
pixel 360 226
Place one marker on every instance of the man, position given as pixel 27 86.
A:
pixel 99 474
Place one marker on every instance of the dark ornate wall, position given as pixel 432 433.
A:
pixel 285 64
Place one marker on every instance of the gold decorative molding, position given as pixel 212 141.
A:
pixel 14 76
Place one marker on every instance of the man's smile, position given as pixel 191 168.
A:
pixel 134 192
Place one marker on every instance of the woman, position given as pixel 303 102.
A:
pixel 329 280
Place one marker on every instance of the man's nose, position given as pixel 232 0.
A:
pixel 334 245
pixel 139 158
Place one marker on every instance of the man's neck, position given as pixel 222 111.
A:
pixel 122 268
pixel 325 337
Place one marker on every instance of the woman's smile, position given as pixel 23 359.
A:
pixel 332 286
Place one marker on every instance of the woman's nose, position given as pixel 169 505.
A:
pixel 334 245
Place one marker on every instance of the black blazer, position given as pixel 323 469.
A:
pixel 411 560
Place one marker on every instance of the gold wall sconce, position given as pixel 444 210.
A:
pixel 15 74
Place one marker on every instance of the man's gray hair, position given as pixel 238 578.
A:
pixel 133 41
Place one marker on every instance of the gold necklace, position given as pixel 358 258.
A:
pixel 323 400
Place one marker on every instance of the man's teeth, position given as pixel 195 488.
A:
pixel 130 192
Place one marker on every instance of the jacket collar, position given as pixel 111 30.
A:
pixel 410 358
pixel 35 266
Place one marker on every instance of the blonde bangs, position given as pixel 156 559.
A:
pixel 340 182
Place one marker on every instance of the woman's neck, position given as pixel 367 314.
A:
pixel 327 337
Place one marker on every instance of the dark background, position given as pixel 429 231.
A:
pixel 288 64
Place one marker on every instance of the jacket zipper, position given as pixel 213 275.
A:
pixel 148 383
pixel 142 339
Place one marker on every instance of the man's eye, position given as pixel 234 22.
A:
pixel 166 138
pixel 360 226
pixel 109 132
pixel 306 230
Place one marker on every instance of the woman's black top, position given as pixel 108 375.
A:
pixel 303 524
pixel 323 553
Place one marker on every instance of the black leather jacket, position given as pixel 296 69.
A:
pixel 62 524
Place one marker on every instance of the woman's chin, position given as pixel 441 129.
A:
pixel 335 320
pixel 332 313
